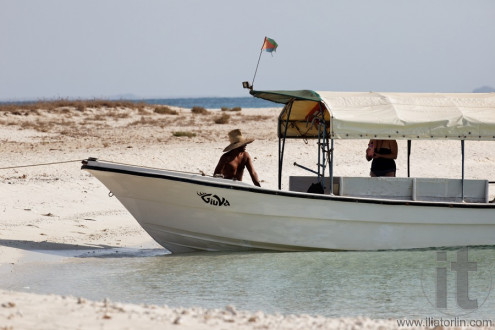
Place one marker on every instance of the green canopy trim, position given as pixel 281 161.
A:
pixel 285 97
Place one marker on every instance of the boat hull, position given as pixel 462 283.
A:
pixel 186 212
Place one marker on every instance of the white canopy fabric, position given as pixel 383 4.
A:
pixel 453 116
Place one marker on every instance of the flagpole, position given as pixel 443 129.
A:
pixel 259 58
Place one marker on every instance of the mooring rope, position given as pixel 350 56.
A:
pixel 40 164
pixel 107 161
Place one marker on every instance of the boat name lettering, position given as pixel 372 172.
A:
pixel 213 199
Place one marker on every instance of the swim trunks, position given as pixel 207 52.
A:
pixel 382 166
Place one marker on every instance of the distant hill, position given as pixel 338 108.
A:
pixel 484 89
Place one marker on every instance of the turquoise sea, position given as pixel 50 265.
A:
pixel 206 102
pixel 382 284
pixel 215 102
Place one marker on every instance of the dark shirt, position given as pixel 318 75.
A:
pixel 383 164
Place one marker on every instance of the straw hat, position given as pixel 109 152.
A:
pixel 236 140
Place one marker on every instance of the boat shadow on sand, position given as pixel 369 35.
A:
pixel 81 251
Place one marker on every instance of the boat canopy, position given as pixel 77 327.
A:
pixel 400 116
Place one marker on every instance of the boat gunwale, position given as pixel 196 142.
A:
pixel 101 167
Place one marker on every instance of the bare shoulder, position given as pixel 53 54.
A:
pixel 246 155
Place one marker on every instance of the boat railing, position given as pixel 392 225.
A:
pixel 398 188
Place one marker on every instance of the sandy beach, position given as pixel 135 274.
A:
pixel 48 204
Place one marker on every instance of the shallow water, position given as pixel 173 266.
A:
pixel 384 284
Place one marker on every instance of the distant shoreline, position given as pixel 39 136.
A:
pixel 185 102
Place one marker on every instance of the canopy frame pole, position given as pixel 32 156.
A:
pixel 321 163
pixel 281 143
pixel 462 181
pixel 323 148
pixel 279 168
pixel 331 167
pixel 330 136
pixel 408 158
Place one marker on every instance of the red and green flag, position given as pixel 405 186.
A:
pixel 269 45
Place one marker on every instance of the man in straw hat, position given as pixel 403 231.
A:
pixel 231 164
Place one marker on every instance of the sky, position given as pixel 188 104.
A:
pixel 194 48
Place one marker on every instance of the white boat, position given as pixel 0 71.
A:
pixel 187 212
